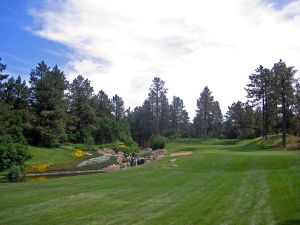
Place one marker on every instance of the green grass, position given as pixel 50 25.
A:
pixel 50 155
pixel 222 182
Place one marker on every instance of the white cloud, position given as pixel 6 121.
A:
pixel 121 45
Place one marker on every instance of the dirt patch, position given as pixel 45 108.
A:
pixel 181 153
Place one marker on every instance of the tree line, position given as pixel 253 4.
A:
pixel 50 110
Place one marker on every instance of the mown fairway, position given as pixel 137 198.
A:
pixel 222 182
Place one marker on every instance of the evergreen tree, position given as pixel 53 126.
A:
pixel 284 78
pixel 240 121
pixel 141 123
pixel 159 104
pixel 13 146
pixel 81 113
pixel 179 117
pixel 260 91
pixel 16 96
pixel 118 107
pixel 48 101
pixel 296 110
pixel 102 105
pixel 204 106
pixel 209 117
pixel 216 120
pixel 2 76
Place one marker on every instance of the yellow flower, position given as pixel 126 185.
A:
pixel 122 146
pixel 37 168
pixel 78 153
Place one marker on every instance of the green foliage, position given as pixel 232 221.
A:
pixel 81 115
pixel 141 123
pixel 88 140
pixel 145 153
pixel 157 142
pixel 48 101
pixel 15 171
pixel 118 107
pixel 11 153
pixel 159 105
pixel 208 120
pixel 240 121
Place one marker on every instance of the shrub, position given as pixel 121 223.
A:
pixel 157 142
pixel 126 149
pixel 15 171
pixel 145 153
pixel 88 140
pixel 11 153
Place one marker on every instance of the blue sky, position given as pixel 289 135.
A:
pixel 121 45
pixel 20 49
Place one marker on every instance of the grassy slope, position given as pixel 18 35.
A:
pixel 221 183
pixel 49 155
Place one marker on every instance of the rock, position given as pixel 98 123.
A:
pixel 111 168
pixel 158 153
pixel 95 160
pixel 119 157
pixel 140 161
pixel 104 151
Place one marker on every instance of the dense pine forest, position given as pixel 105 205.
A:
pixel 49 110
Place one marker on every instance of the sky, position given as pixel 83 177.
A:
pixel 122 45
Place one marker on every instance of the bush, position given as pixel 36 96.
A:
pixel 157 142
pixel 15 172
pixel 126 148
pixel 11 153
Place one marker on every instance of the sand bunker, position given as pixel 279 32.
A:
pixel 181 153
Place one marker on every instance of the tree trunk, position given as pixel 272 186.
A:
pixel 264 118
pixel 283 121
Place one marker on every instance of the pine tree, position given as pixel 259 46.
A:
pixel 158 101
pixel 209 117
pixel 240 121
pixel 81 113
pixel 284 78
pixel 2 76
pixel 118 107
pixel 48 101
pixel 102 105
pixel 296 109
pixel 179 117
pixel 260 91
pixel 216 120
pixel 141 123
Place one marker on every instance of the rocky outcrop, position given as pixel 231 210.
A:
pixel 95 160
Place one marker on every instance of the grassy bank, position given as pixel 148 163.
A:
pixel 222 182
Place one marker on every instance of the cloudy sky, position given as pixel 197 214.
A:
pixel 121 45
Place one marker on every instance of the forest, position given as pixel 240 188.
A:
pixel 50 110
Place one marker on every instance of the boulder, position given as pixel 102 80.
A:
pixel 111 168
pixel 104 151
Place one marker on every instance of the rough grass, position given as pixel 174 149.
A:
pixel 220 183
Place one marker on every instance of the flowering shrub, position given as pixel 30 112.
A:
pixel 122 146
pixel 78 153
pixel 37 168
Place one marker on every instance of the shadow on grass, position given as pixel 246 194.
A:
pixel 289 222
